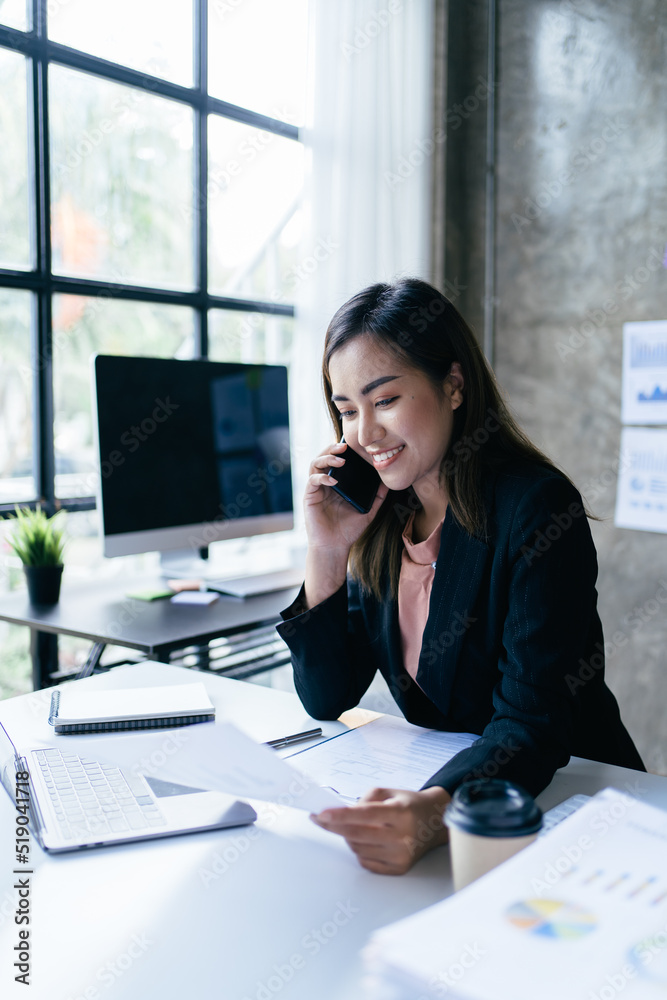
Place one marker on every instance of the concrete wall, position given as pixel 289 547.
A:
pixel 581 226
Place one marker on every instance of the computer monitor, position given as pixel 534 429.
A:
pixel 190 452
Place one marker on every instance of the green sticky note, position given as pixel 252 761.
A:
pixel 150 594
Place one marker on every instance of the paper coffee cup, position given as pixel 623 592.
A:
pixel 488 821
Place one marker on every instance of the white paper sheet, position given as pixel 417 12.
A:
pixel 214 756
pixel 641 500
pixel 388 752
pixel 645 372
pixel 581 914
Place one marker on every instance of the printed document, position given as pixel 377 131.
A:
pixel 386 753
pixel 641 499
pixel 212 756
pixel 645 372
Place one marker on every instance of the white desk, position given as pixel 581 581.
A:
pixel 279 909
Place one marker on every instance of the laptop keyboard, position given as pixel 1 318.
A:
pixel 93 799
pixel 560 812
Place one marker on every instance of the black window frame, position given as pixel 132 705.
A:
pixel 41 281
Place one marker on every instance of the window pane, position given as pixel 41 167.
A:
pixel 16 395
pixel 15 244
pixel 249 337
pixel 97 325
pixel 121 173
pixel 254 193
pixel 257 55
pixel 144 36
pixel 16 14
pixel 15 665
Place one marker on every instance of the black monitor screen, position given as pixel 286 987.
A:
pixel 185 443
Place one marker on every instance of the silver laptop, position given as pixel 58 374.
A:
pixel 262 583
pixel 76 802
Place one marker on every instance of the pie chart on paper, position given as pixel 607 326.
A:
pixel 649 958
pixel 552 918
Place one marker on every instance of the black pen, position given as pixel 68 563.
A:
pixel 288 741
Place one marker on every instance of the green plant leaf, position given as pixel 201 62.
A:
pixel 37 539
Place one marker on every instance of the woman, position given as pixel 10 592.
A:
pixel 471 581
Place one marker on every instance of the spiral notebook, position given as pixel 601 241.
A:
pixel 74 711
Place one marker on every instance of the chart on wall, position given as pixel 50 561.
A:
pixel 641 498
pixel 645 373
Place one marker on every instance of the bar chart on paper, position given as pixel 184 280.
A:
pixel 644 354
pixel 645 373
pixel 569 921
pixel 641 499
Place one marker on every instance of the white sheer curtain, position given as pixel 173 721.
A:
pixel 369 138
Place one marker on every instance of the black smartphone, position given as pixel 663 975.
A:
pixel 357 482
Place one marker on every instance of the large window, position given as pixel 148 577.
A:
pixel 150 185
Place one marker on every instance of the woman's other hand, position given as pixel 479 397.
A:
pixel 389 829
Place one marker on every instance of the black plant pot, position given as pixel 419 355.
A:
pixel 43 583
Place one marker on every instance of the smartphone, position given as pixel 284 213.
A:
pixel 357 482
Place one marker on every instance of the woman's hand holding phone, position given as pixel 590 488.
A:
pixel 333 525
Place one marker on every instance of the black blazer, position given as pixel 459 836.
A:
pixel 512 649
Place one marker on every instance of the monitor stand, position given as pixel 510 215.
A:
pixel 184 564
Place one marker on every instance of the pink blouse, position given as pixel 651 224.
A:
pixel 414 591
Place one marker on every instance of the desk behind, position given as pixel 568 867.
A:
pixel 101 612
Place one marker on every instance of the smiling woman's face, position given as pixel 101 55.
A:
pixel 393 414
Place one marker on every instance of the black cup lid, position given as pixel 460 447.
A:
pixel 494 808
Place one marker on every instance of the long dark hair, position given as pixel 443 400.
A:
pixel 421 327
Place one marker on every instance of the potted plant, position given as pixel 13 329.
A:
pixel 38 542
